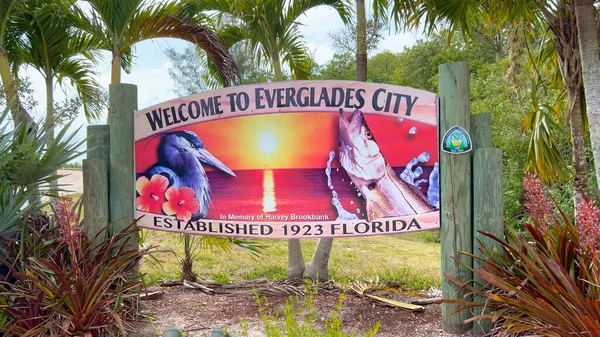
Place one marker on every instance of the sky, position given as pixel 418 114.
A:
pixel 151 66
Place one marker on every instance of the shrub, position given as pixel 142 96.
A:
pixel 28 162
pixel 75 289
pixel 546 285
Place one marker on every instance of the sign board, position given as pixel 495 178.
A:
pixel 298 159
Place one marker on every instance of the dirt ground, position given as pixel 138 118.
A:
pixel 197 314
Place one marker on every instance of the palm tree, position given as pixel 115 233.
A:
pixel 119 24
pixel 379 17
pixel 590 69
pixel 59 52
pixel 50 44
pixel 271 30
pixel 318 267
pixel 555 17
pixel 270 27
pixel 9 11
pixel 361 41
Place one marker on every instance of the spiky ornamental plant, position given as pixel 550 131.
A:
pixel 83 288
pixel 546 285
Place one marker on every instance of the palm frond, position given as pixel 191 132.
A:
pixel 364 288
pixel 543 155
pixel 166 21
pixel 115 15
pixel 295 55
pixel 300 7
pixel 79 73
pixel 28 162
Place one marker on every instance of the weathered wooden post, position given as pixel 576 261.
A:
pixel 487 198
pixel 123 103
pixel 95 183
pixel 455 193
pixel 95 199
pixel 98 142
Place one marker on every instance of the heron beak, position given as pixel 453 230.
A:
pixel 209 159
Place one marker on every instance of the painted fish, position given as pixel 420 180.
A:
pixel 385 193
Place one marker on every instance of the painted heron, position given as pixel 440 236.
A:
pixel 180 158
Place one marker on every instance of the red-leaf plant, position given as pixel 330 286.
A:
pixel 548 285
pixel 83 291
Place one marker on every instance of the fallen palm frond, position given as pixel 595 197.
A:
pixel 260 287
pixel 363 289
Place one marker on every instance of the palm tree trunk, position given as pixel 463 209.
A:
pixel 115 73
pixel 318 267
pixel 580 180
pixel 361 41
pixel 49 124
pixel 569 61
pixel 18 113
pixel 295 259
pixel 277 68
pixel 590 69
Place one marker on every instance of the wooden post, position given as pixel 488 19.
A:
pixel 488 203
pixel 98 142
pixel 95 199
pixel 455 193
pixel 95 183
pixel 123 103
pixel 481 131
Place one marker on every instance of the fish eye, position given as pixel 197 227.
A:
pixel 368 134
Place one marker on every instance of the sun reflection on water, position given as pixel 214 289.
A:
pixel 269 203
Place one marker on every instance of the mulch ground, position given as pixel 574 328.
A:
pixel 197 313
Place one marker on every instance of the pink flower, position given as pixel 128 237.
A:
pixel 588 224
pixel 67 220
pixel 152 193
pixel 537 205
pixel 181 203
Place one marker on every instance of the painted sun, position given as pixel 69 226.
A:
pixel 267 143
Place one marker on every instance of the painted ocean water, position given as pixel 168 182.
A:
pixel 283 192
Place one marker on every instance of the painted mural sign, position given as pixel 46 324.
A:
pixel 298 159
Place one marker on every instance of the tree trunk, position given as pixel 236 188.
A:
pixel 361 41
pixel 18 113
pixel 580 180
pixel 295 259
pixel 318 267
pixel 590 69
pixel 569 61
pixel 277 68
pixel 115 73
pixel 49 125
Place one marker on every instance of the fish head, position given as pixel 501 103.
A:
pixel 359 153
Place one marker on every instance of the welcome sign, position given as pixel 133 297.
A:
pixel 298 159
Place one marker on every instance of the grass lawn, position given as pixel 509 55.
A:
pixel 404 258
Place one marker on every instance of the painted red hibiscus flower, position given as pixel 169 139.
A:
pixel 152 193
pixel 181 203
